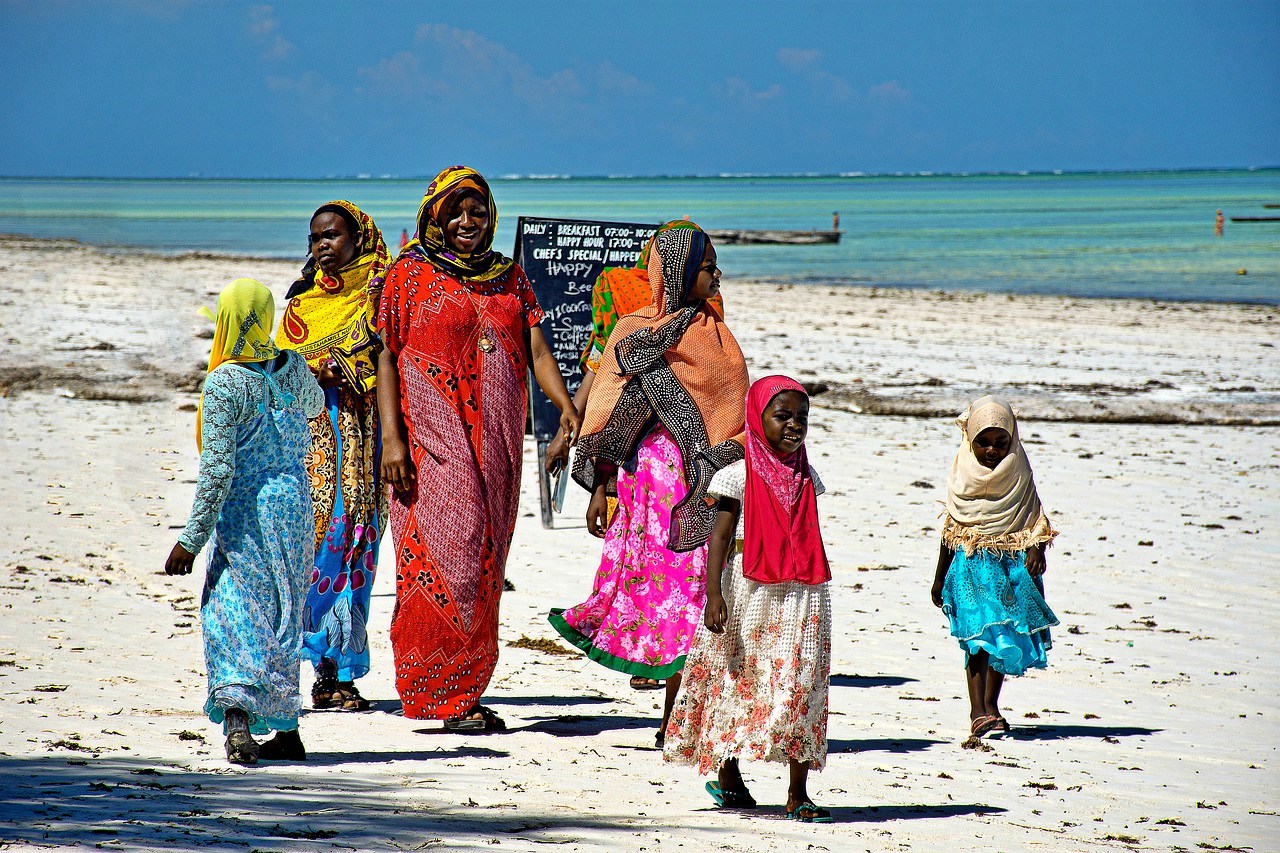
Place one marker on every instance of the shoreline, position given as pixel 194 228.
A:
pixel 122 325
pixel 13 239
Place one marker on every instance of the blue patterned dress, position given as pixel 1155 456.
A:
pixel 254 499
pixel 995 606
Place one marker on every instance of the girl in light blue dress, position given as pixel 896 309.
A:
pixel 989 580
pixel 253 499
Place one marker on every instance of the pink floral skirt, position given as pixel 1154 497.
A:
pixel 647 601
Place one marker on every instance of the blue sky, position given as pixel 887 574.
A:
pixel 302 89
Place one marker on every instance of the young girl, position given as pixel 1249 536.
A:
pixel 252 432
pixel 759 667
pixel 991 560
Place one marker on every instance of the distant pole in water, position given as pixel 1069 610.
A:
pixel 1219 224
pixel 835 221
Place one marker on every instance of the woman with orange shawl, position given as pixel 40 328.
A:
pixel 460 324
pixel 618 291
pixel 665 413
pixel 329 320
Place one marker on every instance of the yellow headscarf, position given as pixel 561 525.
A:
pixel 483 264
pixel 333 316
pixel 246 311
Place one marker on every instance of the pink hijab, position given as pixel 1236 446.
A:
pixel 782 539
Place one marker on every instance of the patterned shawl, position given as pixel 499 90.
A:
pixel 676 363
pixel 992 509
pixel 246 310
pixel 483 264
pixel 620 291
pixel 334 316
pixel 782 541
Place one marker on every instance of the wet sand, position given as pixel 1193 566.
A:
pixel 1155 726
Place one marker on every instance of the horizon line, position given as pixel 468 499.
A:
pixel 539 176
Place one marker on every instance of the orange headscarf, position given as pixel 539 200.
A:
pixel 680 364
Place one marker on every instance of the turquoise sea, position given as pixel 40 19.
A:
pixel 1127 234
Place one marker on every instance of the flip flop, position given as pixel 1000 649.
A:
pixel 489 721
pixel 979 726
pixel 639 682
pixel 1002 726
pixel 807 812
pixel 730 799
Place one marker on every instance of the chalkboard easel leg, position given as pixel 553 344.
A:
pixel 544 485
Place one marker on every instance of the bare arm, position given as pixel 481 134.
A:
pixel 397 466
pixel 718 547
pixel 945 556
pixel 558 449
pixel 547 372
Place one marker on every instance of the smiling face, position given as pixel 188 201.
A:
pixel 332 243
pixel 785 421
pixel 466 223
pixel 991 446
pixel 707 284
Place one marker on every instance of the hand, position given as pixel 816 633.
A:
pixel 180 561
pixel 936 592
pixel 329 376
pixel 716 613
pixel 571 424
pixel 398 469
pixel 598 514
pixel 557 453
pixel 1036 565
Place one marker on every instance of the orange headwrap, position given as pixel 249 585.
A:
pixel 680 364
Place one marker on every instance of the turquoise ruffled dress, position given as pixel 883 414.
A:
pixel 995 606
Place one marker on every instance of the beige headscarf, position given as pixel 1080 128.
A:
pixel 992 509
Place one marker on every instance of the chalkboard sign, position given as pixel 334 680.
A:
pixel 562 258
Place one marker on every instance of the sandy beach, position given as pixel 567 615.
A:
pixel 1152 428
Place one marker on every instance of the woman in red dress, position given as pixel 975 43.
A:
pixel 460 326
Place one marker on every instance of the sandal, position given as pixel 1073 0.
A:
pixel 731 798
pixel 979 726
pixel 346 697
pixel 639 682
pixel 322 691
pixel 242 749
pixel 660 739
pixel 488 721
pixel 1002 726
pixel 807 812
pixel 285 746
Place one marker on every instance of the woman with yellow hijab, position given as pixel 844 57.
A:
pixel 329 319
pixel 253 501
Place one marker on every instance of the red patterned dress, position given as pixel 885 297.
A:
pixel 464 413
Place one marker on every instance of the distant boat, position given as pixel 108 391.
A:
pixel 1255 219
pixel 743 237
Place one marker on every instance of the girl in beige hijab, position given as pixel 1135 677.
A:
pixel 992 560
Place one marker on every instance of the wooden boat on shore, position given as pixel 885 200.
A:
pixel 745 237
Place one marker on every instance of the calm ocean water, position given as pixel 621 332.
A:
pixel 1140 234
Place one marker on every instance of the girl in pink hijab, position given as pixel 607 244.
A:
pixel 757 675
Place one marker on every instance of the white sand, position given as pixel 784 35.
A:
pixel 1155 726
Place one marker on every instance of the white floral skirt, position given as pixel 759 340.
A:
pixel 759 690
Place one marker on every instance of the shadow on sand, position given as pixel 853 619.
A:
pixel 133 803
pixel 1052 732
pixel 895 745
pixel 839 679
